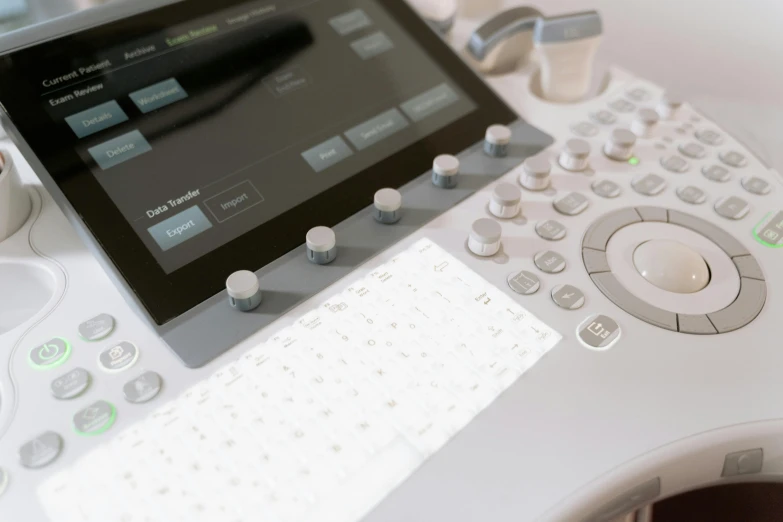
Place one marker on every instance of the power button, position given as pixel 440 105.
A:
pixel 50 354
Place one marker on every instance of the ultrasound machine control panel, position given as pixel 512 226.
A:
pixel 299 261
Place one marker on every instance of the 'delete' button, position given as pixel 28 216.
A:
pixel 179 228
pixel 119 150
pixel 96 119
pixel 50 354
pixel 233 201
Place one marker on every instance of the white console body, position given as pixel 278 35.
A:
pixel 584 434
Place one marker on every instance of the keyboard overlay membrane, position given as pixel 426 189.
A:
pixel 328 416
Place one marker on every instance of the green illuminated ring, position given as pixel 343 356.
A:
pixel 55 364
pixel 756 233
pixel 108 424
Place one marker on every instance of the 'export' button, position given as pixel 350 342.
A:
pixel 120 149
pixel 179 228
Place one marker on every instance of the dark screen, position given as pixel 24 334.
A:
pixel 189 139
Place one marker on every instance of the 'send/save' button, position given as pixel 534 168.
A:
pixel 179 228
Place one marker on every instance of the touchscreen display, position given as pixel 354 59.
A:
pixel 203 131
pixel 198 139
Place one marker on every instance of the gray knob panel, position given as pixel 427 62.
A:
pixel 244 293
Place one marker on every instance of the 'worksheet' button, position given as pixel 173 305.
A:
pixel 96 119
pixel 179 228
pixel 120 149
pixel 159 95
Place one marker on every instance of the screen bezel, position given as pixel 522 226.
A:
pixel 167 296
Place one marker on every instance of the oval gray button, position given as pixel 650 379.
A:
pixel 41 451
pixel 568 297
pixel 71 385
pixel 143 388
pixel 97 328
pixel 119 357
pixel 524 282
pixel 95 418
pixel 550 262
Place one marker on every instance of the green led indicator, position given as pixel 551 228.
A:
pixel 633 161
pixel 769 234
pixel 50 355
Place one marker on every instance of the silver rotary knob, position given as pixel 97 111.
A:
pixel 244 293
pixel 668 106
pixel 505 200
pixel 620 145
pixel 484 238
pixel 496 141
pixel 445 169
pixel 387 203
pixel 321 245
pixel 535 173
pixel 644 123
pixel 575 155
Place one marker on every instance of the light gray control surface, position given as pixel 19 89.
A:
pixel 562 431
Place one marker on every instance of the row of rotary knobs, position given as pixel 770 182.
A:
pixel 485 234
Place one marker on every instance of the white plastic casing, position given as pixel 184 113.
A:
pixel 15 203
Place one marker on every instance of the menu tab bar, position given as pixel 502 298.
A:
pixel 96 119
pixel 159 95
pixel 119 150
pixel 376 129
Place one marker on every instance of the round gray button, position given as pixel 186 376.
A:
pixel 756 186
pixel 649 184
pixel 97 328
pixel 584 129
pixel 709 137
pixel 674 164
pixel 621 105
pixel 50 354
pixel 4 479
pixel 733 159
pixel 550 262
pixel 551 230
pixel 571 204
pixel 732 207
pixel 41 451
pixel 568 297
pixel 716 173
pixel 143 388
pixel 118 357
pixel 692 150
pixel 598 332
pixel 692 195
pixel 71 385
pixel 95 418
pixel 524 282
pixel 603 117
pixel 606 188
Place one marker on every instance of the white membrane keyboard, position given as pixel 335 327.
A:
pixel 328 415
